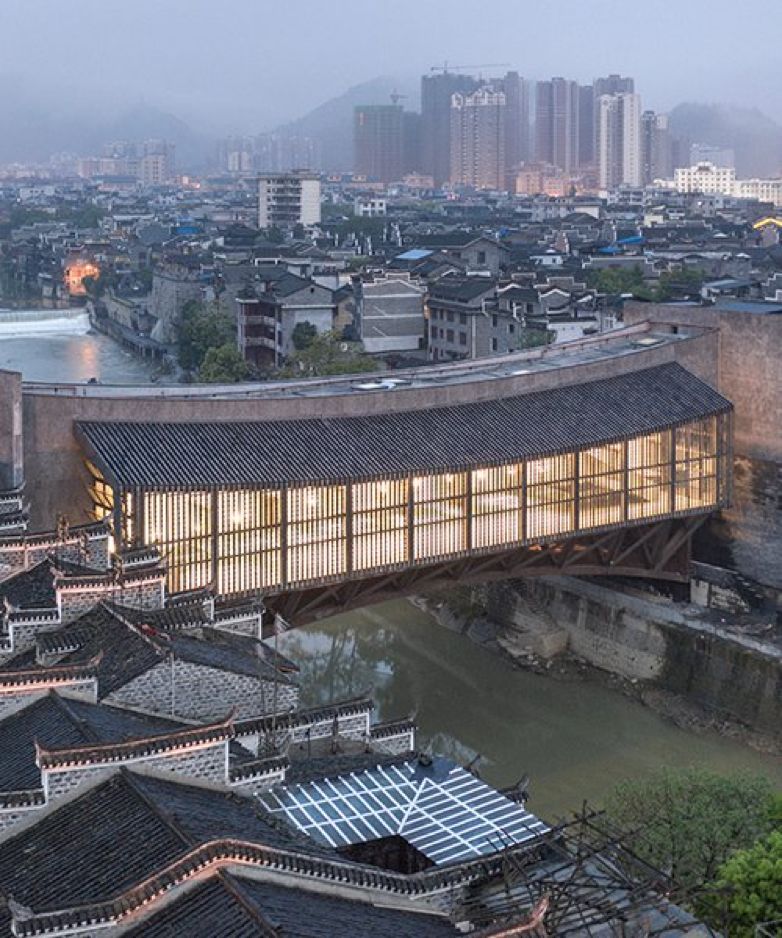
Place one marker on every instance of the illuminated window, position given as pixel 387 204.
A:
pixel 439 515
pixel 497 505
pixel 696 464
pixel 649 475
pixel 180 525
pixel 101 494
pixel 380 528
pixel 317 541
pixel 249 538
pixel 551 495
pixel 601 481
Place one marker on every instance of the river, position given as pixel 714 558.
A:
pixel 51 345
pixel 574 739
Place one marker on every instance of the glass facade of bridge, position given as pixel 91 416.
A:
pixel 265 539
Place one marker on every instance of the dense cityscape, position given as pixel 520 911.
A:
pixel 390 527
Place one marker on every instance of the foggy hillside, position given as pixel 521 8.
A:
pixel 332 121
pixel 755 138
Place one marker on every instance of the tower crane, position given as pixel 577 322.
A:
pixel 445 67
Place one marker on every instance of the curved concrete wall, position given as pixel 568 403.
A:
pixel 56 479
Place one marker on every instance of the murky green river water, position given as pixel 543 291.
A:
pixel 574 739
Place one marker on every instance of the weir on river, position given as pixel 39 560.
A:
pixel 15 323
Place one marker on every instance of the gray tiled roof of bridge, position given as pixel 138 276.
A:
pixel 435 440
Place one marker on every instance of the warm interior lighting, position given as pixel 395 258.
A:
pixel 235 538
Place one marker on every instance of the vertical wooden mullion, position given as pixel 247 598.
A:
pixel 672 432
pixel 577 490
pixel 411 558
pixel 468 519
pixel 626 480
pixel 284 535
pixel 348 527
pixel 213 507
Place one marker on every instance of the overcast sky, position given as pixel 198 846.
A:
pixel 247 64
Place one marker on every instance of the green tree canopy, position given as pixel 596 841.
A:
pixel 748 890
pixel 631 280
pixel 327 354
pixel 201 329
pixel 223 365
pixel 688 822
pixel 303 335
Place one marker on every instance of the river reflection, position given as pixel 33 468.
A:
pixel 575 740
pixel 71 358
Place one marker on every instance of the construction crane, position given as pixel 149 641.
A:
pixel 396 97
pixel 445 67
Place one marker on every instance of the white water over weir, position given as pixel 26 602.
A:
pixel 15 323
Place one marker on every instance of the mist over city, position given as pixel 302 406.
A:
pixel 390 469
pixel 75 76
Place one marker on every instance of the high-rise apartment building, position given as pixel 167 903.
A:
pixel 411 142
pixel 287 199
pixel 557 123
pixel 517 119
pixel 610 84
pixel 613 84
pixel 378 142
pixel 436 93
pixel 478 138
pixel 619 140
pixel 586 125
pixel 656 147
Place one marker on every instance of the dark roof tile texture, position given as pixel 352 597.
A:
pixel 269 453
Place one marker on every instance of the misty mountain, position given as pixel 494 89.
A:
pixel 754 137
pixel 34 125
pixel 332 121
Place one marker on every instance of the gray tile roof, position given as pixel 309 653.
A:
pixel 55 723
pixel 439 439
pixel 30 589
pixel 234 907
pixel 121 832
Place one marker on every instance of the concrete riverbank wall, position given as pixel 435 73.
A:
pixel 678 648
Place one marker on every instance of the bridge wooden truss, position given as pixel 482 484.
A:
pixel 658 551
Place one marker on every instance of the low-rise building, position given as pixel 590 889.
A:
pixel 389 312
pixel 288 199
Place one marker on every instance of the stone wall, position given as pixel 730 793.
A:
pixel 206 764
pixel 76 600
pixel 673 647
pixel 202 693
pixel 22 552
pixel 11 457
pixel 748 367
pixel 81 688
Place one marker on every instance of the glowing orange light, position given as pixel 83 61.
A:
pixel 75 274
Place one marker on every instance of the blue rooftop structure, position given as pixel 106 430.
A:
pixel 440 808
pixel 414 254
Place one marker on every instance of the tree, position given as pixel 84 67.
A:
pixel 327 354
pixel 688 822
pixel 201 329
pixel 223 365
pixel 534 338
pixel 748 889
pixel 303 335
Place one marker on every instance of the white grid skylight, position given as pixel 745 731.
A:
pixel 442 810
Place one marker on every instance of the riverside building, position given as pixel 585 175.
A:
pixel 274 505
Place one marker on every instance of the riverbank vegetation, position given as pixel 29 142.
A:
pixel 718 837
